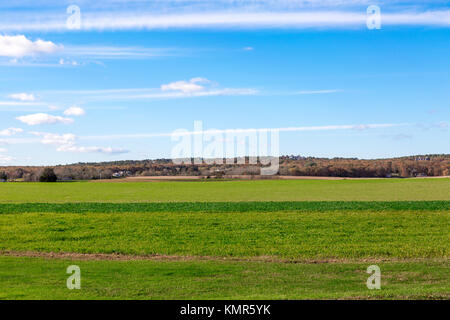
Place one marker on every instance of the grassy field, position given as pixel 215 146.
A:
pixel 229 191
pixel 226 240
pixel 27 278
pixel 225 207
pixel 280 234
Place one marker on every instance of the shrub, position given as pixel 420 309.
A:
pixel 48 176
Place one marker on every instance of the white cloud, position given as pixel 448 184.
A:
pixel 3 150
pixel 63 62
pixel 243 131
pixel 185 86
pixel 397 137
pixel 273 20
pixel 75 111
pixel 195 87
pixel 77 149
pixel 119 52
pixel 227 14
pixel 56 139
pixel 19 46
pixel 242 18
pixel 443 125
pixel 10 131
pixel 23 96
pixel 440 125
pixel 43 118
pixel 6 159
pixel 248 49
pixel 20 103
pixel 193 94
pixel 67 143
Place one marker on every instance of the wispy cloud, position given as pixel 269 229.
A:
pixel 74 111
pixel 193 85
pixel 20 51
pixel 22 106
pixel 4 159
pixel 43 118
pixel 23 96
pixel 397 137
pixel 119 52
pixel 439 125
pixel 193 94
pixel 67 143
pixel 358 127
pixel 80 149
pixel 192 88
pixel 227 19
pixel 55 139
pixel 21 103
pixel 10 131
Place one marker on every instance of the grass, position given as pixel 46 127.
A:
pixel 36 278
pixel 313 235
pixel 226 207
pixel 227 239
pixel 229 191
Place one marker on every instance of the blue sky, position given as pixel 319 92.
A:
pixel 115 86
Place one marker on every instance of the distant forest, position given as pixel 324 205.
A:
pixel 412 166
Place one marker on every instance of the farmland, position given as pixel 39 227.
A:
pixel 309 239
pixel 229 191
pixel 25 278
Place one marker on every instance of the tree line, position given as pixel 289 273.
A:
pixel 414 166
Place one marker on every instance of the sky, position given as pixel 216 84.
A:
pixel 90 81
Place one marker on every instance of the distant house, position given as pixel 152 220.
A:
pixel 120 174
pixel 423 159
pixel 117 174
pixel 421 175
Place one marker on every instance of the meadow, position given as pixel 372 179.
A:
pixel 229 191
pixel 31 278
pixel 303 239
pixel 290 235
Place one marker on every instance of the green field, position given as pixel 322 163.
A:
pixel 279 234
pixel 25 278
pixel 226 191
pixel 305 239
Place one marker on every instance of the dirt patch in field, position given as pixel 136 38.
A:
pixel 157 257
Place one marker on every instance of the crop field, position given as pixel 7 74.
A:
pixel 229 191
pixel 302 239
